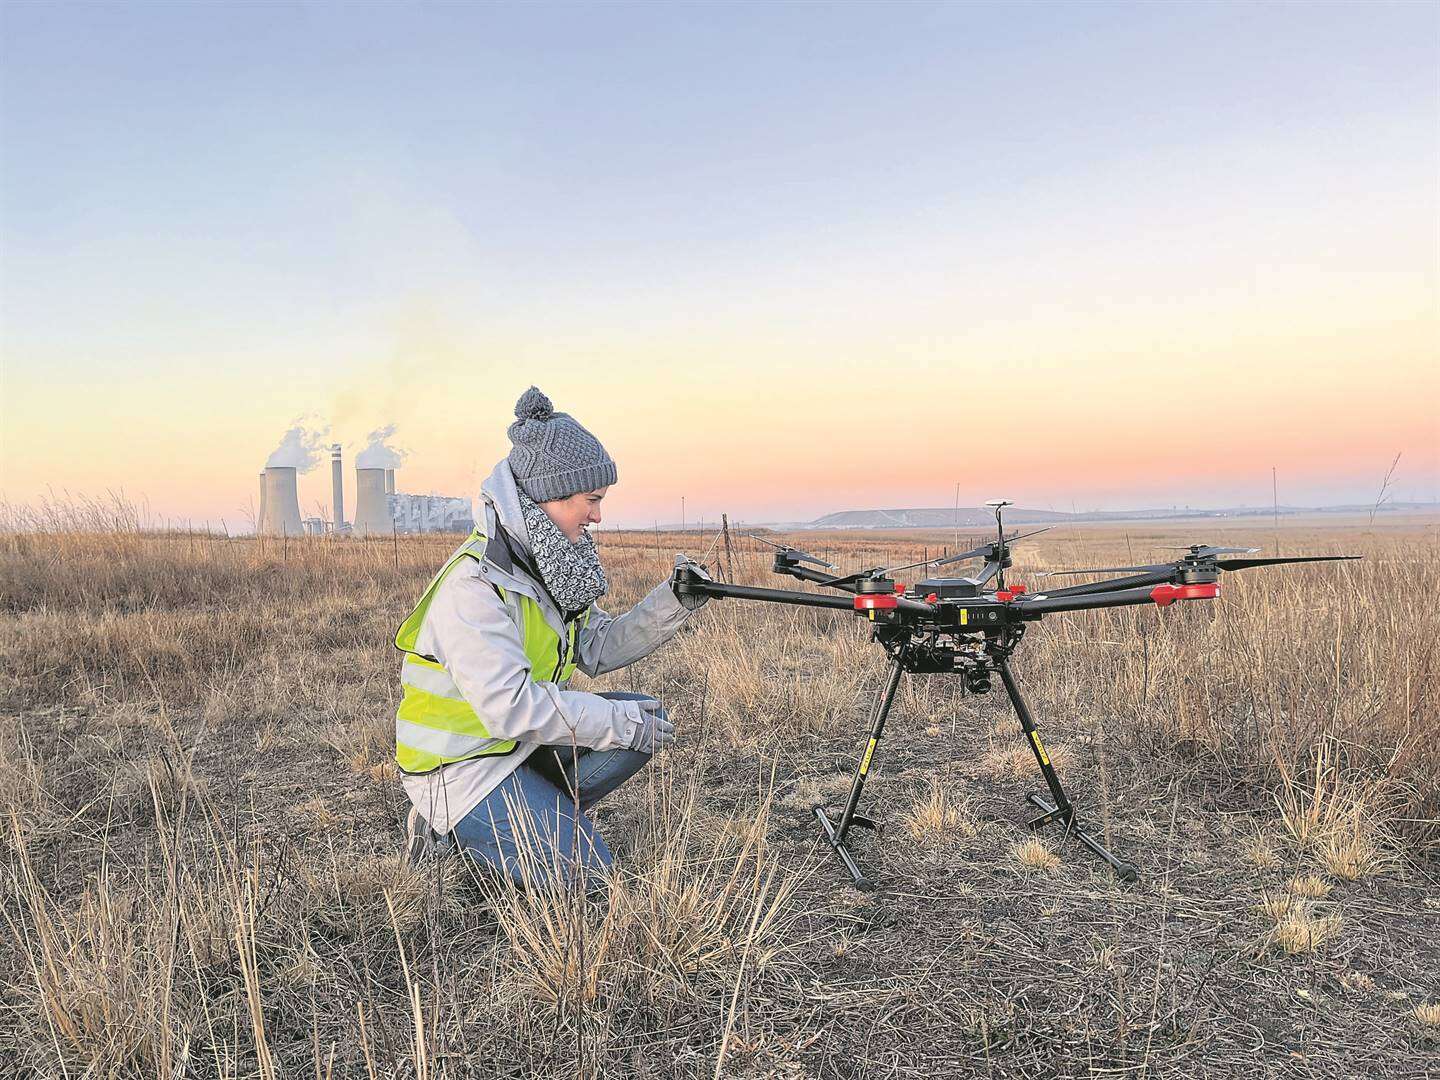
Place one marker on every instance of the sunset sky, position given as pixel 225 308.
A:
pixel 781 259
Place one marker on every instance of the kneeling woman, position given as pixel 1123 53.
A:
pixel 495 750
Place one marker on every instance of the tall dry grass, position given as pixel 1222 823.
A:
pixel 199 851
pixel 1294 672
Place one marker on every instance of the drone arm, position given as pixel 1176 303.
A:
pixel 1162 595
pixel 688 583
pixel 1100 587
pixel 804 573
pixel 1047 604
pixel 691 585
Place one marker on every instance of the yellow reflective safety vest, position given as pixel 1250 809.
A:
pixel 435 725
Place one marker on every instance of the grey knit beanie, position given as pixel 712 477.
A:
pixel 553 456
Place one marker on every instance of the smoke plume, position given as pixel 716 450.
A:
pixel 376 454
pixel 299 449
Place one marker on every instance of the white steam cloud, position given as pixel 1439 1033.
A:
pixel 299 449
pixel 376 454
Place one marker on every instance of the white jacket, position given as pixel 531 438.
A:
pixel 470 631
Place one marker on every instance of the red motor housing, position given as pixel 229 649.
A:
pixel 1165 595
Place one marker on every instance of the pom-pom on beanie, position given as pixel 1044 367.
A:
pixel 553 457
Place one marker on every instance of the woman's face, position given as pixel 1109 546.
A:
pixel 573 514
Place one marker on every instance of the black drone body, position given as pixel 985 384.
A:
pixel 969 626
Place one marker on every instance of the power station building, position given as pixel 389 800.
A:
pixel 431 513
pixel 379 509
pixel 279 503
pixel 372 504
pixel 337 489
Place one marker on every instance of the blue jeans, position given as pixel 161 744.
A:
pixel 529 825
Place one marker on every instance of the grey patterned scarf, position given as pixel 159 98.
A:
pixel 572 572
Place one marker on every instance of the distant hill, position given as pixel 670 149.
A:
pixel 946 518
pixel 970 518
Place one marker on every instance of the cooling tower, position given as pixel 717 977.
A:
pixel 389 481
pixel 281 501
pixel 372 505
pixel 337 483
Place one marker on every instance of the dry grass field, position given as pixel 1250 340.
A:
pixel 199 872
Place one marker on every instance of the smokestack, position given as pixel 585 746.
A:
pixel 372 505
pixel 389 481
pixel 281 500
pixel 260 517
pixel 337 483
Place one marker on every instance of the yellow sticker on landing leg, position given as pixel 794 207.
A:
pixel 872 614
pixel 1039 747
pixel 865 761
pixel 964 616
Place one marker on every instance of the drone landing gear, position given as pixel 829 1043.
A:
pixel 1058 807
pixel 836 833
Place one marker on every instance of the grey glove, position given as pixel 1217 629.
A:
pixel 692 603
pixel 654 732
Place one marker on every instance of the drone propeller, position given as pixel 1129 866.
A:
pixel 1242 564
pixel 880 571
pixel 795 553
pixel 985 549
pixel 1202 553
pixel 873 572
pixel 1152 568
pixel 850 579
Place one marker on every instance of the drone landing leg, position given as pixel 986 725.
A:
pixel 836 833
pixel 1058 807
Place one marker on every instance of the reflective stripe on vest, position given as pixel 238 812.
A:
pixel 434 724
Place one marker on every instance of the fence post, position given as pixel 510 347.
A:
pixel 729 552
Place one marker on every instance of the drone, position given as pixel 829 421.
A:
pixel 970 626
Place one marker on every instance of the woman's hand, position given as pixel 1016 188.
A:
pixel 654 732
pixel 692 602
